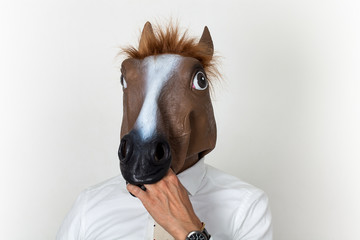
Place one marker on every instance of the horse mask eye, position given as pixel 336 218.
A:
pixel 123 81
pixel 200 82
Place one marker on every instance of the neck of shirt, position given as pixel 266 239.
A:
pixel 192 177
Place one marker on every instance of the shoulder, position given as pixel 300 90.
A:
pixel 218 181
pixel 108 189
pixel 232 189
pixel 107 185
pixel 90 206
pixel 115 186
pixel 246 206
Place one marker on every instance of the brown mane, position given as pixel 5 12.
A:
pixel 170 40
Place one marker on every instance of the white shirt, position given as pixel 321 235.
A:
pixel 230 208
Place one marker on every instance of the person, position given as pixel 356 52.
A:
pixel 232 208
pixel 192 200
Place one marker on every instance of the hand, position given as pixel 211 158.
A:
pixel 168 203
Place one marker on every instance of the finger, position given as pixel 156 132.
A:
pixel 169 183
pixel 136 191
pixel 160 182
pixel 170 172
pixel 172 177
pixel 154 186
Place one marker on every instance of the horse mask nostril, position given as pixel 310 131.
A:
pixel 161 152
pixel 125 149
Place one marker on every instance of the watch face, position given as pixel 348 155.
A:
pixel 197 236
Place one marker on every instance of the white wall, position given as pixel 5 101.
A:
pixel 287 109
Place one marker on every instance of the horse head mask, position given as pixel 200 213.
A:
pixel 168 119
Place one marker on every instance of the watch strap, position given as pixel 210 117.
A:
pixel 204 231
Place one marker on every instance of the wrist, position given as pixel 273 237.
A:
pixel 202 234
pixel 182 233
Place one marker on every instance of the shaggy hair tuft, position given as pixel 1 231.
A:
pixel 171 40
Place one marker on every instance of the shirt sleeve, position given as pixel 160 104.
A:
pixel 72 226
pixel 254 219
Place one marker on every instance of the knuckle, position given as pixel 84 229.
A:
pixel 133 189
pixel 172 178
pixel 162 184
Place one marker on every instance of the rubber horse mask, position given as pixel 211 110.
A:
pixel 168 119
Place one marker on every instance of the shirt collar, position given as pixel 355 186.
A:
pixel 192 177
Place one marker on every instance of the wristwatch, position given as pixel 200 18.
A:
pixel 198 235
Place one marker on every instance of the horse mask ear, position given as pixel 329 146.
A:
pixel 146 34
pixel 206 41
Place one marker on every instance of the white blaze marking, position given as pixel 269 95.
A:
pixel 158 70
